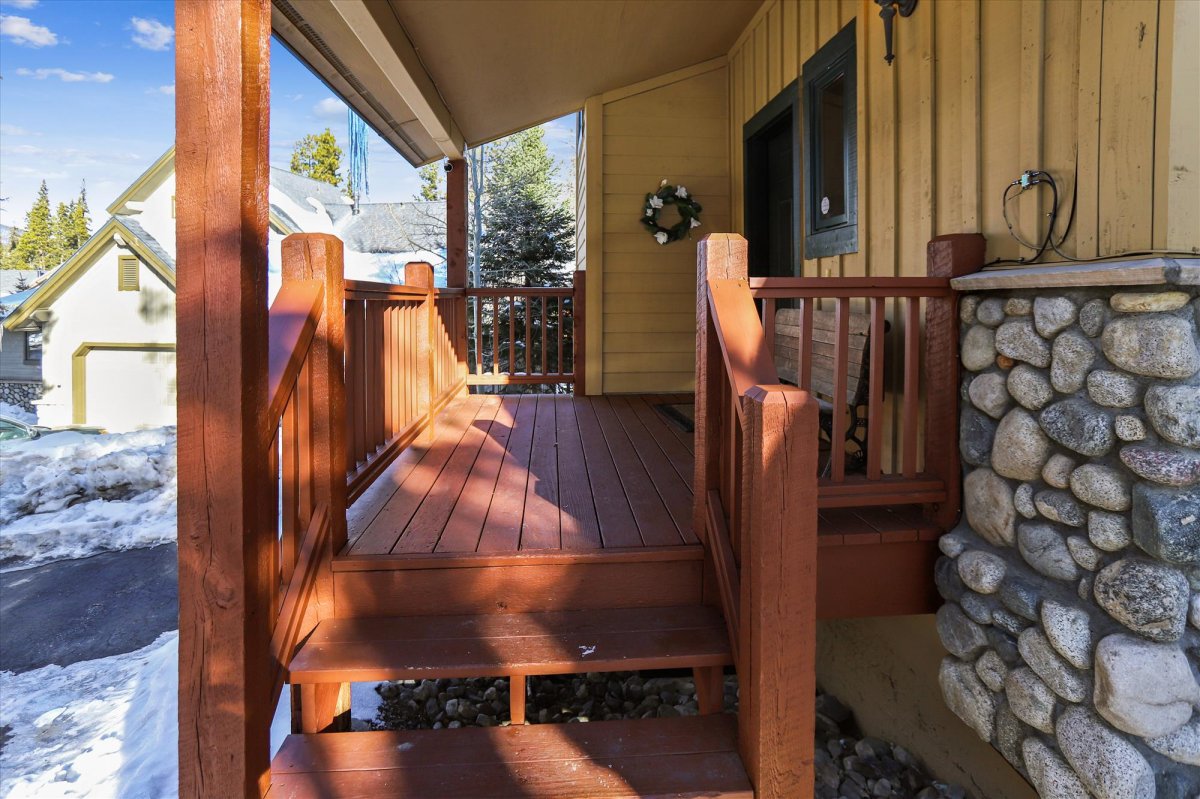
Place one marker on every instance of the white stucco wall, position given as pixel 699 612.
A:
pixel 92 310
pixel 155 213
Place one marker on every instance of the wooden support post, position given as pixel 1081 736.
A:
pixel 710 689
pixel 948 256
pixel 516 698
pixel 579 332
pixel 420 275
pixel 324 707
pixel 779 591
pixel 225 534
pixel 456 254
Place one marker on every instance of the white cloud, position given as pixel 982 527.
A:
pixel 329 107
pixel 66 76
pixel 14 130
pixel 22 31
pixel 150 34
pixel 19 3
pixel 168 89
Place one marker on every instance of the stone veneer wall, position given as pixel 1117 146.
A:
pixel 20 393
pixel 1072 586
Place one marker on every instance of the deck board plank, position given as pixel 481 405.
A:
pixel 540 521
pixel 617 525
pixel 580 526
pixel 502 526
pixel 674 491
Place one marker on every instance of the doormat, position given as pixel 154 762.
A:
pixel 682 415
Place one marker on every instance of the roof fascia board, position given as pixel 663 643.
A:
pixel 666 79
pixel 164 160
pixel 381 34
pixel 78 263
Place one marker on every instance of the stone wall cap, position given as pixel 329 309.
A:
pixel 1138 272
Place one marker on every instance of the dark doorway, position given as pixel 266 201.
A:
pixel 772 185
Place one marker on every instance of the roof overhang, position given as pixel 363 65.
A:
pixel 433 78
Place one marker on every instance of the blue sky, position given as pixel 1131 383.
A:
pixel 87 93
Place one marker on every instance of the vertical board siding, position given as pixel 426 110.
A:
pixel 676 131
pixel 981 91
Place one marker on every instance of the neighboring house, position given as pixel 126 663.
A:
pixel 20 354
pixel 106 318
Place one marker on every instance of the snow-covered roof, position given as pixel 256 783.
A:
pixel 299 189
pixel 147 240
pixel 396 227
pixel 9 303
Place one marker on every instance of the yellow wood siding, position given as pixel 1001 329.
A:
pixel 981 90
pixel 675 128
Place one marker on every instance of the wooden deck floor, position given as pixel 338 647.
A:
pixel 534 472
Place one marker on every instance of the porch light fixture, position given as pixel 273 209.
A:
pixel 888 9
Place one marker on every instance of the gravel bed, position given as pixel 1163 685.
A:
pixel 848 765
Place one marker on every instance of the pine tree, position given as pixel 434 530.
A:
pixel 318 156
pixel 61 236
pixel 36 249
pixel 81 220
pixel 430 189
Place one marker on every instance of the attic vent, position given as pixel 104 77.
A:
pixel 127 273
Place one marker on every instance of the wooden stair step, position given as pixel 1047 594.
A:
pixel 485 645
pixel 678 757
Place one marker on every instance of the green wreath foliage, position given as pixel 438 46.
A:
pixel 689 212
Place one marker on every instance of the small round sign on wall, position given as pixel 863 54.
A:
pixel 825 206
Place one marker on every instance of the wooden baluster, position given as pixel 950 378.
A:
pixel 579 331
pixel 479 335
pixel 912 382
pixel 778 620
pixel 512 334
pixel 768 322
pixel 354 384
pixel 529 365
pixel 289 489
pixel 304 452
pixel 389 374
pixel 841 360
pixel 495 327
pixel 276 513
pixel 420 275
pixel 545 357
pixel 804 344
pixel 875 420
pixel 558 335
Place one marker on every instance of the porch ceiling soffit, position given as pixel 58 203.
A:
pixel 476 70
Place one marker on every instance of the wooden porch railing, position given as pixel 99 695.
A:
pixel 305 442
pixel 526 336
pixel 403 364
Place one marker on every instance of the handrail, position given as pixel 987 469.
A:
pixel 835 287
pixel 747 361
pixel 291 324
pixel 293 610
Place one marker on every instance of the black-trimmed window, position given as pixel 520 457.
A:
pixel 831 148
pixel 33 346
pixel 771 145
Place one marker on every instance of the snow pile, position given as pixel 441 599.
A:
pixel 109 492
pixel 17 412
pixel 100 728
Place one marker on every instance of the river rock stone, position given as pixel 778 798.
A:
pixel 1109 766
pixel 978 348
pixel 1092 317
pixel 1172 467
pixel 1113 389
pixel 1153 345
pixel 1057 471
pixel 992 669
pixel 1018 306
pixel 1023 500
pixel 1130 427
pixel 1046 551
pixel 961 636
pixel 1049 773
pixel 990 312
pixel 1008 622
pixel 1020 448
pixel 945 577
pixel 1149 598
pixel 1166 522
pixel 1143 688
pixel 1052 315
pixel 1080 426
pixel 988 505
pixel 1131 302
pixel 1071 357
pixel 1017 339
pixel 1083 552
pixel 1102 486
pixel 1182 746
pixel 1010 732
pixel 1030 699
pixel 981 571
pixel 1029 387
pixel 1109 531
pixel 1062 679
pixel 976 433
pixel 967 696
pixel 978 607
pixel 1021 596
pixel 966 308
pixel 1059 506
pixel 1174 413
pixel 989 394
pixel 1069 632
pixel 952 544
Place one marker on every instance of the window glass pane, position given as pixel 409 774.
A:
pixel 33 346
pixel 831 193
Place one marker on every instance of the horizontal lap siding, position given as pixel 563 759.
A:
pixel 677 131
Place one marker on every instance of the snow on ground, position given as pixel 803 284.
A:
pixel 108 492
pixel 17 412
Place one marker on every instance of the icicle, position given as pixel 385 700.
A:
pixel 359 186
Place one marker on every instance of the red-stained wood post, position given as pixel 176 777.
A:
pixel 948 257
pixel 319 256
pixel 420 275
pixel 778 591
pixel 718 256
pixel 456 254
pixel 222 71
pixel 579 332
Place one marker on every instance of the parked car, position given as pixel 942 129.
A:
pixel 15 434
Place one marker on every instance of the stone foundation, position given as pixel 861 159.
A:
pixel 1072 585
pixel 20 394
